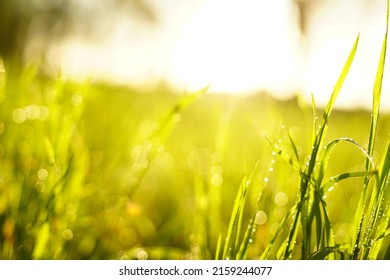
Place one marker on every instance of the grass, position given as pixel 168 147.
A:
pixel 96 171
pixel 308 219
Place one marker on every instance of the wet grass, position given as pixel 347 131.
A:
pixel 307 224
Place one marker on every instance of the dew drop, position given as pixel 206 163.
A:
pixel 261 218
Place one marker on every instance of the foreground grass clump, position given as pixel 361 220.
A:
pixel 98 172
pixel 309 226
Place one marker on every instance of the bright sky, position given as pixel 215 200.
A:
pixel 243 46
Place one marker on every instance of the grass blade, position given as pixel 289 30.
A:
pixel 360 216
pixel 303 204
pixel 229 251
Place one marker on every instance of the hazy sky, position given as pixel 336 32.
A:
pixel 243 46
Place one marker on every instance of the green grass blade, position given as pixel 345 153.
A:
pixel 340 82
pixel 294 147
pixel 230 247
pixel 377 91
pixel 282 224
pixel 329 148
pixel 360 216
pixel 218 249
pixel 293 162
pixel 251 226
pixel 303 207
pixel 321 133
pixel 41 241
pixel 168 122
pixel 381 209
pixel 324 252
pixel 356 174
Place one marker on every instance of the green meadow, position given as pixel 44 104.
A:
pixel 98 171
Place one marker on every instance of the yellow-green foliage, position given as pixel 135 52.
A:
pixel 99 172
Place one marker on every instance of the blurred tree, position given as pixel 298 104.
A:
pixel 304 10
pixel 28 27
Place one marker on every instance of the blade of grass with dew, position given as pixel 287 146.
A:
pixel 335 179
pixel 234 249
pixel 218 249
pixel 248 236
pixel 302 205
pixel 315 117
pixel 283 222
pixel 251 226
pixel 381 210
pixel 324 252
pixel 292 143
pixel 355 174
pixel 160 135
pixel 41 241
pixel 329 148
pixel 294 163
pixel 359 218
pixel 168 122
pixel 229 251
pixel 318 213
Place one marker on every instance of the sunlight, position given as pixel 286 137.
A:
pixel 242 47
pixel 235 50
pixel 232 49
pixel 329 43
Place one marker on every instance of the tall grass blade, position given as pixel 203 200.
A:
pixel 303 200
pixel 168 122
pixel 381 209
pixel 230 247
pixel 218 249
pixel 282 224
pixel 360 215
pixel 377 91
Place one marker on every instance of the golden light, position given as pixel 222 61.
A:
pixel 240 47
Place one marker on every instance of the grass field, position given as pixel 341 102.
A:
pixel 96 171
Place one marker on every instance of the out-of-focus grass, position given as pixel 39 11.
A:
pixel 89 172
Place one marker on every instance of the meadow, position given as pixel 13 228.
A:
pixel 98 171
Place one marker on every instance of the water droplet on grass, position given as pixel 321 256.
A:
pixel 281 199
pixel 67 234
pixel 217 180
pixel 33 112
pixel 261 218
pixel 142 255
pixel 42 174
pixel 19 115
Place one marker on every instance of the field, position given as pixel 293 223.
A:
pixel 93 171
pixel 98 171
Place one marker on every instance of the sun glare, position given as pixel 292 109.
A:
pixel 240 47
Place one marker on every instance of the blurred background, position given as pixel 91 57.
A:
pixel 284 47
